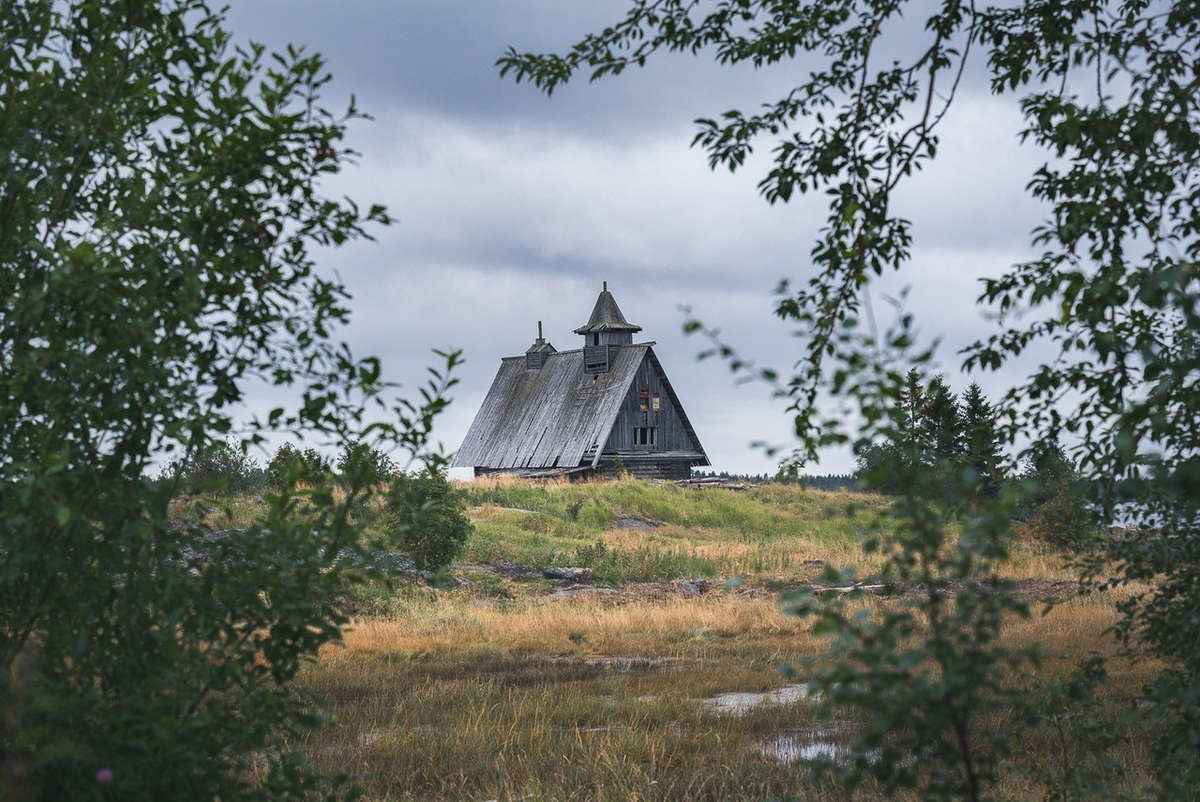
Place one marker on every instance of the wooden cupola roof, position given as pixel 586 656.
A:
pixel 606 316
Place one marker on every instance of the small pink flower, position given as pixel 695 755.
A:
pixel 105 775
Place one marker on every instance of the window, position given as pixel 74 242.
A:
pixel 645 435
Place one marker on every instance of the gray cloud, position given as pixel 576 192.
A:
pixel 514 208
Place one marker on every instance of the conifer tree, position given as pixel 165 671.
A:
pixel 941 422
pixel 980 440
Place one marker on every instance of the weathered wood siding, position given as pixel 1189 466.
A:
pixel 672 432
pixel 672 466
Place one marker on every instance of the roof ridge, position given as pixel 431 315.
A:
pixel 579 350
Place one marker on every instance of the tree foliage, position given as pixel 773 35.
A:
pixel 1109 91
pixel 981 441
pixel 159 200
pixel 362 462
pixel 1050 501
pixel 290 465
pixel 219 466
pixel 940 437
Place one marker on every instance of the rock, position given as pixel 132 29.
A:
pixel 571 576
pixel 693 587
pixel 570 593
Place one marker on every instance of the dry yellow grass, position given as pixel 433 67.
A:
pixel 537 698
pixel 568 627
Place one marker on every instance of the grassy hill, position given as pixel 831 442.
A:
pixel 638 531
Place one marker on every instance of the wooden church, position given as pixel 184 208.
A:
pixel 585 411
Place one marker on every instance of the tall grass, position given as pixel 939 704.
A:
pixel 574 699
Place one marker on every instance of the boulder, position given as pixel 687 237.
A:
pixel 571 576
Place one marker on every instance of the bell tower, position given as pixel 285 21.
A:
pixel 606 328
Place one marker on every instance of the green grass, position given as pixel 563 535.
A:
pixel 771 534
pixel 696 532
pixel 765 512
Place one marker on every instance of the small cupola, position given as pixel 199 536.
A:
pixel 606 328
pixel 535 355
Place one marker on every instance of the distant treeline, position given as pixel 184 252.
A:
pixel 829 481
pixel 742 478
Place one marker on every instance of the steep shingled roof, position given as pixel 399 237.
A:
pixel 552 417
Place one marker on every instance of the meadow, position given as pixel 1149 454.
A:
pixel 675 674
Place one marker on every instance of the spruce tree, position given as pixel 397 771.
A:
pixel 980 440
pixel 941 423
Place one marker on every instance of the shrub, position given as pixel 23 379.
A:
pixel 292 464
pixel 221 465
pixel 427 515
pixel 1050 504
pixel 366 464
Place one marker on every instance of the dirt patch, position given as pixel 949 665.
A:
pixel 1048 589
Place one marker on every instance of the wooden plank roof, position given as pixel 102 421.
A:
pixel 550 417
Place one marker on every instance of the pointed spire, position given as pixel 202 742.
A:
pixel 606 316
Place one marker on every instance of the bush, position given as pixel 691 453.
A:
pixel 1050 505
pixel 365 464
pixel 427 515
pixel 220 466
pixel 290 464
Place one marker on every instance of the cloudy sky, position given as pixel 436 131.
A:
pixel 514 207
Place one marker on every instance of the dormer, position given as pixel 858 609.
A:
pixel 535 355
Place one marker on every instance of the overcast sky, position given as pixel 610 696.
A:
pixel 514 207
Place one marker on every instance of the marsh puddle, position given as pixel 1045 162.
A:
pixel 795 746
pixel 739 703
pixel 791 746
